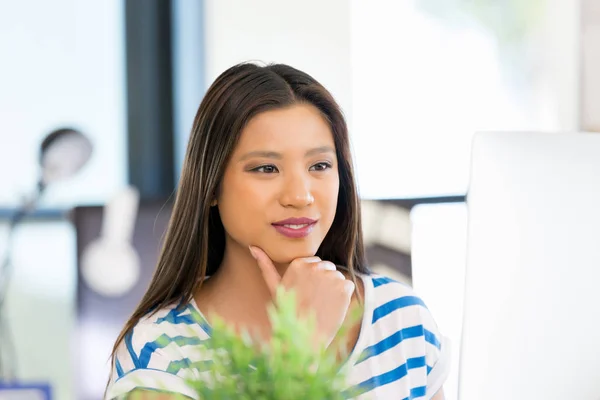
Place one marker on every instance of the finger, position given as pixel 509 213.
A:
pixel 308 260
pixel 326 266
pixel 269 272
pixel 337 274
pixel 300 263
pixel 349 287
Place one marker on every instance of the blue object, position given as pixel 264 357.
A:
pixel 34 391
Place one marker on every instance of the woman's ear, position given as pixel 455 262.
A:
pixel 213 202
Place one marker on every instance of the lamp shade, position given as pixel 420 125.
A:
pixel 63 152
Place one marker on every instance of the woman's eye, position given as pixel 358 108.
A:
pixel 322 166
pixel 267 169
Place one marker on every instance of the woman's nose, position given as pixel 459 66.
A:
pixel 296 192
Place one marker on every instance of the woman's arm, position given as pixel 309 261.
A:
pixel 439 395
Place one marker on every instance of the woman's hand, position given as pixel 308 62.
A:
pixel 320 289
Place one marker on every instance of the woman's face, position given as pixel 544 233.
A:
pixel 280 187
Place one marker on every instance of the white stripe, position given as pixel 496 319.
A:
pixel 392 359
pixel 149 379
pixel 186 330
pixel 391 291
pixel 401 318
pixel 428 321
pixel 149 332
pixel 153 332
pixel 124 358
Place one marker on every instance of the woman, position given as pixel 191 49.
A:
pixel 266 198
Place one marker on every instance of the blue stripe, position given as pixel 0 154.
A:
pixel 429 369
pixel 396 304
pixel 161 342
pixel 173 317
pixel 194 317
pixel 175 366
pixel 416 393
pixel 129 345
pixel 120 372
pixel 416 362
pixel 199 319
pixel 382 281
pixel 387 378
pixel 391 341
pixel 431 338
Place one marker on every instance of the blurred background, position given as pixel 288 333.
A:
pixel 120 80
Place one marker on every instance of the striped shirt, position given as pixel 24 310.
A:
pixel 399 354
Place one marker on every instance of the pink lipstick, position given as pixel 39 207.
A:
pixel 295 227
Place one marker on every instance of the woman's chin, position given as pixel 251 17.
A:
pixel 285 254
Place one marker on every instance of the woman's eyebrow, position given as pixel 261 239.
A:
pixel 320 150
pixel 262 154
pixel 277 156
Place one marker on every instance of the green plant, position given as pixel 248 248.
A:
pixel 288 367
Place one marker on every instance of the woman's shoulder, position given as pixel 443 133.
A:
pixel 162 348
pixel 396 305
pixel 164 334
pixel 170 323
pixel 402 329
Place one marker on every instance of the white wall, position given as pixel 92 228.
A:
pixel 311 35
pixel 424 84
pixel 560 40
pixel 62 64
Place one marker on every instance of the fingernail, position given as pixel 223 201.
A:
pixel 252 252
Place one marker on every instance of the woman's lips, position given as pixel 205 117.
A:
pixel 295 227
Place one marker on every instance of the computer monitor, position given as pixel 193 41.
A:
pixel 531 325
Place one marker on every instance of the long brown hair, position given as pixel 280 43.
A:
pixel 194 243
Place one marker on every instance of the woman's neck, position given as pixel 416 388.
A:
pixel 237 292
